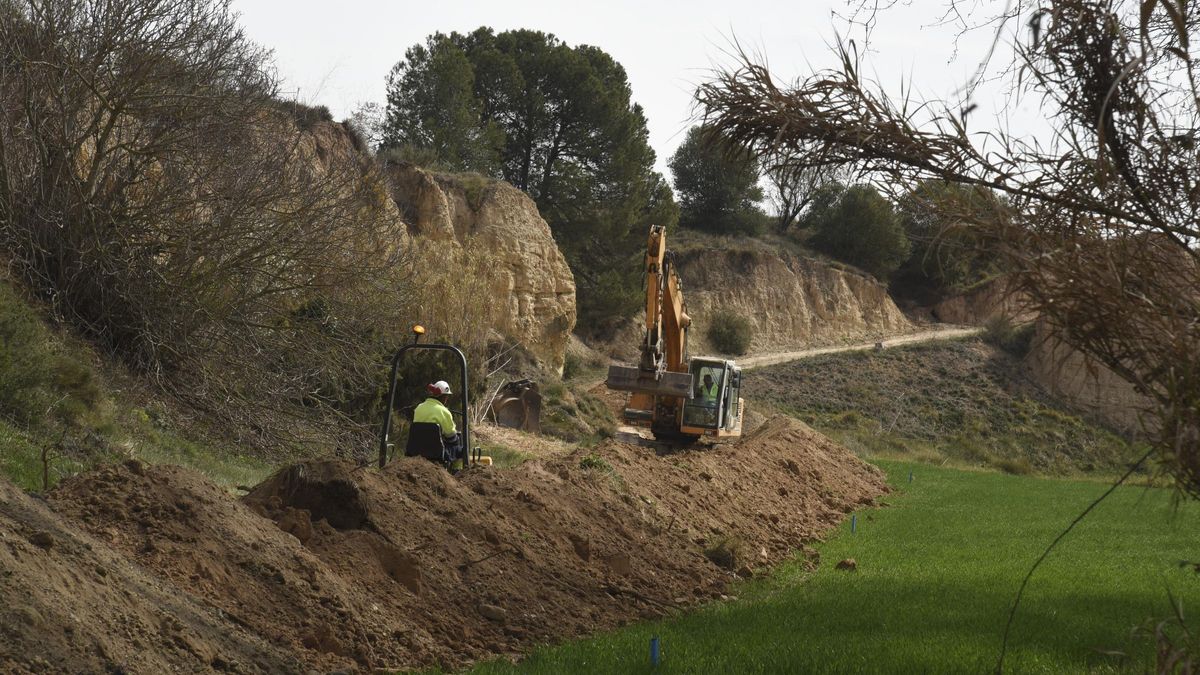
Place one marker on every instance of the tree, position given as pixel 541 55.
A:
pixel 568 134
pixel 792 187
pixel 947 252
pixel 717 185
pixel 367 122
pixel 859 226
pixel 161 198
pixel 432 108
pixel 1100 229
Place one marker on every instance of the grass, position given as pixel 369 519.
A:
pixel 21 459
pixel 224 466
pixel 962 401
pixel 21 454
pixel 503 456
pixel 937 572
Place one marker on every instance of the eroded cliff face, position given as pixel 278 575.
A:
pixel 530 277
pixel 792 302
pixel 1085 383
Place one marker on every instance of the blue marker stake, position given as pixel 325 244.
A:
pixel 853 523
pixel 655 652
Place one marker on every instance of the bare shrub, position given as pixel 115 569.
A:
pixel 154 194
pixel 455 300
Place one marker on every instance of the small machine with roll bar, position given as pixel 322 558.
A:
pixel 421 442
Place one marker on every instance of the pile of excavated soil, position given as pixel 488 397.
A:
pixel 350 566
pixel 71 604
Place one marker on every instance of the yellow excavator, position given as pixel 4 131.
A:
pixel 679 399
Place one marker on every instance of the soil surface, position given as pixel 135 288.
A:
pixel 331 566
pixel 933 335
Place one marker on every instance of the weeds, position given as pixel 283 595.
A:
pixel 594 462
pixel 959 401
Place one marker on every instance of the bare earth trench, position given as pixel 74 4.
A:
pixel 332 566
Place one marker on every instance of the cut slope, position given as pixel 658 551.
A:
pixel 410 566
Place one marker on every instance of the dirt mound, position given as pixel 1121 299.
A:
pixel 176 523
pixel 70 604
pixel 410 566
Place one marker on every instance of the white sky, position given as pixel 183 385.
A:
pixel 339 54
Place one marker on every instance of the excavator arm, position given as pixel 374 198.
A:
pixel 662 368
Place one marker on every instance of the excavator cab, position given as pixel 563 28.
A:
pixel 715 408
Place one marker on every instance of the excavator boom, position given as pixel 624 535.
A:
pixel 661 370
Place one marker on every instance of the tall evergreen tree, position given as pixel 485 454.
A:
pixel 565 131
pixel 717 184
pixel 432 108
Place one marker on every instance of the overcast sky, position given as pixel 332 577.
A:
pixel 339 54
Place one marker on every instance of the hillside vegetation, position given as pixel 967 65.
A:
pixel 64 410
pixel 965 402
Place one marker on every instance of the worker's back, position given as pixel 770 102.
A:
pixel 433 411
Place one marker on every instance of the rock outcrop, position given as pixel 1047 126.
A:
pixel 791 301
pixel 531 278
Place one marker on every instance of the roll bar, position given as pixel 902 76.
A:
pixel 391 397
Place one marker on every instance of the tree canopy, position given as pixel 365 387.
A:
pixel 858 225
pixel 556 121
pixel 949 254
pixel 717 185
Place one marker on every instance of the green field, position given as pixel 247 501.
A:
pixel 937 571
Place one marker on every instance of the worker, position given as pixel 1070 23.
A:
pixel 708 390
pixel 433 410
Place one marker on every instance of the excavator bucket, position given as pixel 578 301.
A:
pixel 623 378
pixel 518 405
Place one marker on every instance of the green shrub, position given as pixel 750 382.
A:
pixel 594 462
pixel 37 381
pixel 1002 333
pixel 730 333
pixel 571 366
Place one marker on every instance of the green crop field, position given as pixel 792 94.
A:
pixel 937 571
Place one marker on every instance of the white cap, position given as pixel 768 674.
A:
pixel 439 388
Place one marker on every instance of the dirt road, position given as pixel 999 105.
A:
pixel 751 362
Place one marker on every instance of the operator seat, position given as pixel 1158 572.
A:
pixel 425 440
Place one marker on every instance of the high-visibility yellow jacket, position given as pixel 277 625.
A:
pixel 432 410
pixel 709 393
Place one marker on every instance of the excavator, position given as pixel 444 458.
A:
pixel 678 398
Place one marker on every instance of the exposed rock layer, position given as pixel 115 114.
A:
pixel 532 278
pixel 790 301
pixel 1083 382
